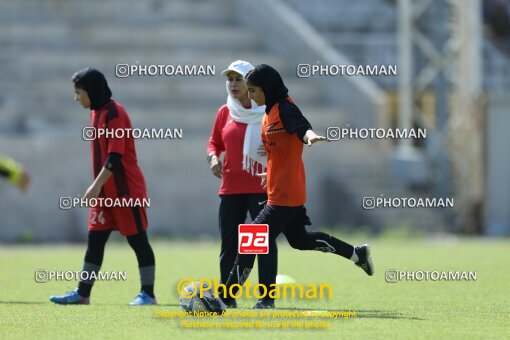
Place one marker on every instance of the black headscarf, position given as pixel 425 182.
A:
pixel 271 83
pixel 96 86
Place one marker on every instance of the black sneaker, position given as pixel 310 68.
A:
pixel 264 304
pixel 232 305
pixel 212 304
pixel 365 261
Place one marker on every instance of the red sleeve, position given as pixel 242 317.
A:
pixel 117 144
pixel 216 145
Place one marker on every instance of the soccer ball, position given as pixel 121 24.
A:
pixel 191 301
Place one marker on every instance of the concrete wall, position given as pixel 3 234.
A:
pixel 497 207
pixel 43 43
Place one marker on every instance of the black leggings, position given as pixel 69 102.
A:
pixel 233 211
pixel 291 221
pixel 95 246
pixel 139 242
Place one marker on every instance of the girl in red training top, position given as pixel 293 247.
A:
pixel 284 131
pixel 116 175
pixel 236 132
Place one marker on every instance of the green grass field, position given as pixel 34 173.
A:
pixel 425 309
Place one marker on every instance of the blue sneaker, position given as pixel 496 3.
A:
pixel 143 299
pixel 71 298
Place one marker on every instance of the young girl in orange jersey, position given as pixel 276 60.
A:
pixel 236 134
pixel 284 132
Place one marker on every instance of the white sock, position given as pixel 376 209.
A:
pixel 354 258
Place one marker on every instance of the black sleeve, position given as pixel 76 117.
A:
pixel 4 173
pixel 293 120
pixel 113 161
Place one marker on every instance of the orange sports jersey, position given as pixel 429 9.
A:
pixel 286 184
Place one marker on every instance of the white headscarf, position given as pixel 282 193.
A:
pixel 252 138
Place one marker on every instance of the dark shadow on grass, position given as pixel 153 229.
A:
pixel 363 314
pixel 366 314
pixel 49 303
pixel 22 302
pixel 168 305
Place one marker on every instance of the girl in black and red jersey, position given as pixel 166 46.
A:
pixel 284 132
pixel 236 132
pixel 116 175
